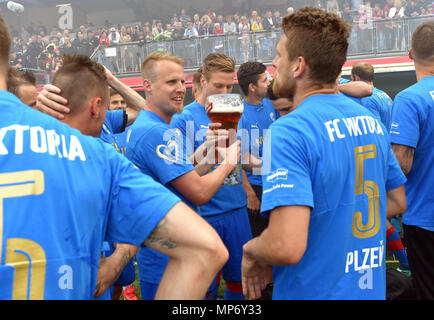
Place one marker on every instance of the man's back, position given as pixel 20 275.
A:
pixel 380 104
pixel 50 249
pixel 413 126
pixel 336 163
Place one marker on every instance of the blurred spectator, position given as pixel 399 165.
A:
pixel 81 45
pixel 157 30
pixel 412 9
pixel 190 34
pixel 67 47
pixel 206 27
pixel 268 22
pixel 197 22
pixel 257 24
pixel 277 18
pixel 230 29
pixel 253 16
pixel 114 35
pixel 395 13
pixel 244 28
pixel 184 18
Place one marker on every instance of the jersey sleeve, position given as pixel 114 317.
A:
pixel 138 203
pixel 405 122
pixel 162 153
pixel 116 119
pixel 286 180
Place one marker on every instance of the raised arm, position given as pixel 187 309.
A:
pixel 134 100
pixel 199 189
pixel 358 89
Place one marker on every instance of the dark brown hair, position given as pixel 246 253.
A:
pixel 79 79
pixel 364 71
pixel 321 38
pixel 17 78
pixel 422 41
pixel 249 73
pixel 5 46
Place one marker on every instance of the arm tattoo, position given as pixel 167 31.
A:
pixel 404 155
pixel 159 236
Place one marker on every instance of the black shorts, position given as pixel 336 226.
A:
pixel 420 253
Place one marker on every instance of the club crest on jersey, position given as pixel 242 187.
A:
pixel 169 151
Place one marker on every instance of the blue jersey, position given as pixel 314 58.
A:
pixel 380 104
pixel 253 126
pixel 193 123
pixel 114 123
pixel 332 155
pixel 62 194
pixel 156 150
pixel 413 126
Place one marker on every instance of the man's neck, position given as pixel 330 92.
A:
pixel 311 90
pixel 253 99
pixel 3 84
pixel 154 109
pixel 423 71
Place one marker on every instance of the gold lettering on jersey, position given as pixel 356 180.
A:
pixel 26 256
pixel 370 188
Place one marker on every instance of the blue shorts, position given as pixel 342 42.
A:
pixel 234 229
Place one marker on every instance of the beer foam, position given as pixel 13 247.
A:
pixel 225 103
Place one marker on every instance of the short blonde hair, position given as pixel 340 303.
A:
pixel 217 62
pixel 148 66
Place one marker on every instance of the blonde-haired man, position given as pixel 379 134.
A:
pixel 158 151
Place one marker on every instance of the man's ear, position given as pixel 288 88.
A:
pixel 95 107
pixel 299 67
pixel 252 87
pixel 410 54
pixel 147 85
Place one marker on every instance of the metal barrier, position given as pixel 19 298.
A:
pixel 371 38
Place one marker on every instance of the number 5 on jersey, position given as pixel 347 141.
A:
pixel 26 256
pixel 369 188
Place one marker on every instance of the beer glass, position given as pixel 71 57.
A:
pixel 227 110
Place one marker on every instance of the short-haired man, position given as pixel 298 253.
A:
pixel 63 193
pixel 379 103
pixel 117 102
pixel 258 115
pixel 226 211
pixel 195 84
pixel 22 83
pixel 157 150
pixel 412 135
pixel 327 187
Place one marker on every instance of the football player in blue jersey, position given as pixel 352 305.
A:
pixel 63 193
pixel 331 173
pixel 412 134
pixel 226 211
pixel 379 103
pixel 158 151
pixel 258 115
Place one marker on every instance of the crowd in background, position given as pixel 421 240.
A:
pixel 37 47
